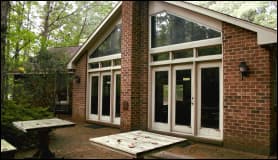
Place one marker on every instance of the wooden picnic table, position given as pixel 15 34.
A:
pixel 43 127
pixel 7 150
pixel 138 143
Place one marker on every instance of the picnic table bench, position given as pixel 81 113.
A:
pixel 43 127
pixel 7 150
pixel 136 144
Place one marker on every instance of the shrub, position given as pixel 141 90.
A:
pixel 20 112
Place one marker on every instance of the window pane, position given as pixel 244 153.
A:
pixel 94 95
pixel 118 95
pixel 161 57
pixel 117 62
pixel 183 97
pixel 111 45
pixel 183 54
pixel 106 95
pixel 93 65
pixel 210 97
pixel 161 96
pixel 105 63
pixel 167 29
pixel 210 50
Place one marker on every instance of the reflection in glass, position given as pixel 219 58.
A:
pixel 161 56
pixel 105 63
pixel 106 95
pixel 183 54
pixel 210 50
pixel 117 62
pixel 94 65
pixel 118 95
pixel 111 45
pixel 210 98
pixel 94 96
pixel 161 96
pixel 183 97
pixel 167 29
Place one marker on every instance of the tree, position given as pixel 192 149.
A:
pixel 259 12
pixel 5 6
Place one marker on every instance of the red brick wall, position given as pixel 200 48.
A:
pixel 134 65
pixel 247 102
pixel 79 90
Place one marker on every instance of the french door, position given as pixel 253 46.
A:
pixel 209 99
pixel 94 97
pixel 161 97
pixel 174 90
pixel 182 101
pixel 104 97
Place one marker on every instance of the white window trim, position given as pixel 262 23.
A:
pixel 194 62
pixel 104 69
pixel 105 58
pixel 186 45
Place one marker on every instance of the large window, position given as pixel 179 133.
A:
pixel 167 29
pixel 111 45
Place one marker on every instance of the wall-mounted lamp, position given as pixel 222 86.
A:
pixel 77 79
pixel 244 70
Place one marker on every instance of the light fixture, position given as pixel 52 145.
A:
pixel 244 70
pixel 77 78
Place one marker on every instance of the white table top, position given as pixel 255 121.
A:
pixel 6 146
pixel 136 142
pixel 42 124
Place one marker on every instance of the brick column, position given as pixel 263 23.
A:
pixel 247 102
pixel 134 65
pixel 79 90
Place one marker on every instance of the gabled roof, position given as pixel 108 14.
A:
pixel 93 36
pixel 265 35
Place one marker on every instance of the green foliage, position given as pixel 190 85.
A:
pixel 19 112
pixel 259 12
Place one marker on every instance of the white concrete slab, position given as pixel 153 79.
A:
pixel 136 142
pixel 6 146
pixel 42 124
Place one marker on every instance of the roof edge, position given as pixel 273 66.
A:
pixel 265 35
pixel 71 65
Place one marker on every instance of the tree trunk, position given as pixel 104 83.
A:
pixel 5 6
pixel 45 31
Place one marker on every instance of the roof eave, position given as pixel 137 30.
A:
pixel 71 64
pixel 265 35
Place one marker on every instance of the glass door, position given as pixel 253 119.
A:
pixel 183 107
pixel 117 97
pixel 209 99
pixel 105 97
pixel 161 99
pixel 94 98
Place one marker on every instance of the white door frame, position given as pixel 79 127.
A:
pixel 182 128
pixel 210 132
pixel 105 118
pixel 93 116
pixel 116 120
pixel 157 125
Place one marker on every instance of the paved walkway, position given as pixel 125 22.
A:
pixel 73 142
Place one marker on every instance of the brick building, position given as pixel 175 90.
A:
pixel 180 69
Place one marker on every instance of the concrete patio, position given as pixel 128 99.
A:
pixel 73 142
